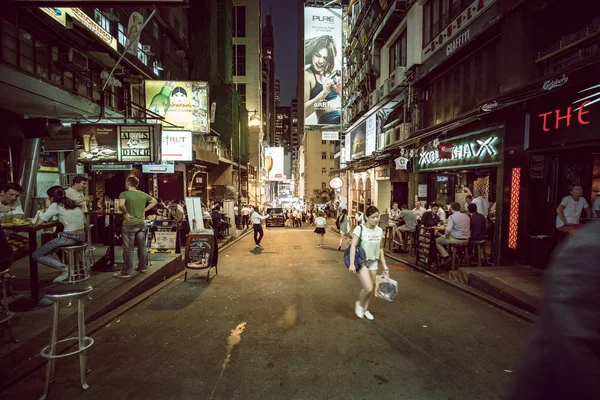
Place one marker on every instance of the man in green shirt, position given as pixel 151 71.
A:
pixel 133 204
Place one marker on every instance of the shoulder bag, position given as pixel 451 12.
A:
pixel 359 257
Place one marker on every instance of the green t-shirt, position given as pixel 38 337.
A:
pixel 370 240
pixel 135 202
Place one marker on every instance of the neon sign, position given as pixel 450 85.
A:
pixel 467 151
pixel 568 117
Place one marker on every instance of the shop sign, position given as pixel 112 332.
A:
pixel 469 151
pixel 487 107
pixel 57 14
pixel 164 168
pixel 401 163
pixel 61 140
pixel 553 83
pixel 444 151
pixel 458 42
pixel 164 239
pixel 336 183
pixel 330 135
pixel 177 146
pixel 112 167
pixel 556 118
pixel 89 23
pixel 135 143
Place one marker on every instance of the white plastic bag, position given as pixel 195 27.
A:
pixel 387 288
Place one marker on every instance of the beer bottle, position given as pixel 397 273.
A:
pixel 161 101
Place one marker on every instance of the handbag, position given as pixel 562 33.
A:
pixel 359 257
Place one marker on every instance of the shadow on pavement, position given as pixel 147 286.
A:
pixel 180 299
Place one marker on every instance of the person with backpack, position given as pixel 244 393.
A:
pixel 368 235
pixel 343 223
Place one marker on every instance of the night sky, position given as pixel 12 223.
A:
pixel 285 27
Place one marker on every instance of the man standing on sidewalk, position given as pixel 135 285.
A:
pixel 257 225
pixel 133 204
pixel 75 192
pixel 246 217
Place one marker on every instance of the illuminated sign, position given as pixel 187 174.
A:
pixel 553 83
pixel 57 14
pixel 469 151
pixel 89 23
pixel 556 117
pixel 274 164
pixel 177 146
pixel 164 168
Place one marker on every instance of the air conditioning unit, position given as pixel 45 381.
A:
pixel 373 98
pixel 397 77
pixel 75 57
pixel 389 134
pixel 384 89
pixel 146 48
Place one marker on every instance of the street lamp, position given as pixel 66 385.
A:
pixel 254 119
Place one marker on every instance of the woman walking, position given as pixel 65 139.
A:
pixel 70 215
pixel 369 235
pixel 344 222
pixel 320 223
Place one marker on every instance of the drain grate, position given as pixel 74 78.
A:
pixel 120 338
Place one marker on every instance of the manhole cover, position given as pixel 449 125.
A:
pixel 121 338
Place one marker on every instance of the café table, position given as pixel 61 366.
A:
pixel 34 301
pixel 99 266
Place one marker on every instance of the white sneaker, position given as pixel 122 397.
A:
pixel 62 277
pixel 358 310
pixel 257 246
pixel 369 316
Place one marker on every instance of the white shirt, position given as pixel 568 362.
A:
pixel 16 208
pixel 236 210
pixel 245 211
pixel 441 213
pixel 72 220
pixel 419 211
pixel 77 196
pixel 459 226
pixel 483 206
pixel 320 222
pixel 257 218
pixel 572 210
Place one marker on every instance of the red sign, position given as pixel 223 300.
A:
pixel 444 151
pixel 554 119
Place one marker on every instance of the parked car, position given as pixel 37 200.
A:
pixel 277 217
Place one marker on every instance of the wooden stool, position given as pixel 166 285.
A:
pixel 388 239
pixel 5 314
pixel 455 247
pixel 479 246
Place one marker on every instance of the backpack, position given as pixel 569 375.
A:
pixel 338 221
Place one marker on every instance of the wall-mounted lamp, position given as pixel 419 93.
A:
pixel 254 119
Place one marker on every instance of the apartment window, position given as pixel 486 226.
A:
pixel 323 156
pixel 122 36
pixel 437 15
pixel 42 59
pixel 331 156
pixel 26 60
pixel 398 53
pixel 143 57
pixel 241 89
pixel 156 68
pixel 323 186
pixel 323 141
pixel 9 42
pixel 102 20
pixel 239 59
pixel 332 142
pixel 155 30
pixel 323 171
pixel 176 25
pixel 239 21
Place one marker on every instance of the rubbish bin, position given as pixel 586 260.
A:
pixel 539 250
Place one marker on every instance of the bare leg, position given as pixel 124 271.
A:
pixel 364 276
pixel 373 275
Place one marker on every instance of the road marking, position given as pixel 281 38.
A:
pixel 232 341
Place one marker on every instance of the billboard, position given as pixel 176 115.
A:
pixel 371 135
pixel 274 165
pixel 113 143
pixel 322 66
pixel 177 146
pixel 358 141
pixel 181 103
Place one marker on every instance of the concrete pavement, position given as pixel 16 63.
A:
pixel 279 323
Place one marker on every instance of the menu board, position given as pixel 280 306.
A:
pixel 426 250
pixel 198 250
pixel 164 237
pixel 114 143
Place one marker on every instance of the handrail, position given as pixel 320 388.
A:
pixel 568 40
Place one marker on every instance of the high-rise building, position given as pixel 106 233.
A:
pixel 283 127
pixel 268 80
pixel 295 131
pixel 277 92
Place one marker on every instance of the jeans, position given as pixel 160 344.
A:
pixel 64 239
pixel 134 234
pixel 258 233
pixel 245 221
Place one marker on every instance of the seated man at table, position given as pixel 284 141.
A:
pixel 410 222
pixel 458 231
pixel 419 210
pixel 10 204
pixel 430 217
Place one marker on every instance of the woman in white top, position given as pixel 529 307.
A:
pixel 70 215
pixel 320 223
pixel 369 235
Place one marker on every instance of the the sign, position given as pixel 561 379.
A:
pixel 336 183
pixel 134 27
pixel 556 119
pixel 487 107
pixel 111 167
pixel 554 83
pixel 61 140
pixel 358 141
pixel 164 168
pixel 330 135
pixel 48 162
pixel 135 143
pixel 453 36
pixel 371 135
pixel 401 163
pixel 323 65
pixel 422 191
pixel 177 146
pixel 198 250
pixel 444 151
pixel 181 103
pixel 89 23
pixel 164 237
pixel 274 164
pixel 348 148
pixel 537 167
pixel 58 14
pixel 477 149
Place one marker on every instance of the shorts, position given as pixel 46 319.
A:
pixel 372 265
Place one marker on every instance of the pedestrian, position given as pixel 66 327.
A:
pixel 344 222
pixel 70 216
pixel 75 192
pixel 299 219
pixel 257 225
pixel 320 224
pixel 369 234
pixel 133 204
pixel 246 216
pixel 338 209
pixel 217 221
pixel 236 212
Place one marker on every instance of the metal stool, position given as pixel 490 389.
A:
pixel 56 293
pixel 479 246
pixel 89 253
pixel 5 314
pixel 78 268
pixel 455 247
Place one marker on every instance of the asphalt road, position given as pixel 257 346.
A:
pixel 279 324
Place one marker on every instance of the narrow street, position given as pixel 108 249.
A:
pixel 279 324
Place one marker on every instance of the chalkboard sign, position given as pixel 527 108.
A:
pixel 426 250
pixel 199 250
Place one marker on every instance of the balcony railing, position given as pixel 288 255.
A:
pixel 571 40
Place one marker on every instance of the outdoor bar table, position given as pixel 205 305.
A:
pixel 34 302
pixel 111 238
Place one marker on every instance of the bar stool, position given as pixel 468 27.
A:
pixel 56 293
pixel 77 266
pixel 456 248
pixel 412 237
pixel 479 246
pixel 389 237
pixel 5 314
pixel 90 249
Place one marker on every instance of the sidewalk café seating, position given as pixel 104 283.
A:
pixel 457 248
pixel 90 246
pixel 56 293
pixel 78 268
pixel 5 314
pixel 479 247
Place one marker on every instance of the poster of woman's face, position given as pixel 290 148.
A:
pixel 322 66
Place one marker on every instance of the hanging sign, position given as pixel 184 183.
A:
pixel 336 183
pixel 401 163
pixel 444 151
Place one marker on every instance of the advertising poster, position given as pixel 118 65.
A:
pixel 322 66
pixel 135 143
pixel 177 146
pixel 164 238
pixel 96 142
pixel 182 103
pixel 357 136
pixel 48 162
pixel 348 148
pixel 371 135
pixel 274 164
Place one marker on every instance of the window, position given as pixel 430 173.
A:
pixel 9 42
pixel 239 21
pixel 156 67
pixel 323 171
pixel 323 141
pixel 26 51
pixel 438 14
pixel 241 89
pixel 122 36
pixel 42 59
pixel 167 45
pixel 143 57
pixel 323 186
pixel 323 156
pixel 239 59
pixel 398 53
pixel 176 25
pixel 331 156
pixel 102 20
pixel 155 30
pixel 332 142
